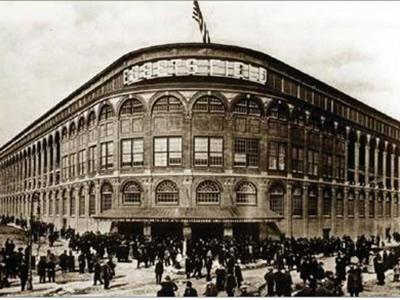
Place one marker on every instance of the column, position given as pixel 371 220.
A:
pixel 392 161
pixel 376 160
pixel 288 209
pixel 320 214
pixel 367 149
pixel 384 166
pixel 346 158
pixel 357 159
pixel 187 234
pixel 345 202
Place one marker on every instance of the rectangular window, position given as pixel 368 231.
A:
pixel 72 165
pixel 92 159
pixel 339 167
pixel 107 155
pixel 125 126
pixel 297 159
pixel 208 151
pixel 246 153
pixel 277 156
pixel 167 151
pixel 132 152
pixel 326 165
pixel 81 162
pixel 106 129
pixel 65 167
pixel 313 162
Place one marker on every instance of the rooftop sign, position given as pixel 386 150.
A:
pixel 195 67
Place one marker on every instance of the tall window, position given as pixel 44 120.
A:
pixel 81 162
pixel 277 156
pixel 106 197
pixel 92 119
pixel 340 167
pixel 246 193
pixel 396 206
pixel 44 204
pixel 312 203
pixel 107 155
pixel 50 204
pixel 92 200
pixel 208 151
pixel 64 202
pixel 208 193
pixel 82 202
pixel 371 205
pixel 276 199
pixel 106 129
pixel 313 162
pixel 246 153
pixel 72 203
pixel 65 167
pixel 380 206
pixel 132 193
pixel 81 125
pixel 297 159
pixel 57 203
pixel 92 159
pixel 350 204
pixel 278 112
pixel 388 206
pixel 167 151
pixel 167 192
pixel 72 165
pixel 130 107
pixel 106 113
pixel 247 106
pixel 361 205
pixel 339 204
pixel 208 104
pixel 297 203
pixel 168 104
pixel 327 165
pixel 132 152
pixel 327 203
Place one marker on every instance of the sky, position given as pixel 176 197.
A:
pixel 49 49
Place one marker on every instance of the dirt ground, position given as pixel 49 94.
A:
pixel 130 281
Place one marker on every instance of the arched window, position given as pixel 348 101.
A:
pixel 208 104
pixel 106 113
pixel 64 133
pixel 312 203
pixel 361 204
pixel 371 205
pixel 72 130
pixel 168 104
pixel 72 203
pixel 81 124
pixel 50 204
pixel 246 193
pixel 388 206
pixel 92 200
pixel 350 204
pixel 278 112
pixel 327 203
pixel 380 206
pixel 167 192
pixel 82 202
pixel 297 202
pixel 132 193
pixel 91 119
pixel 276 199
pixel 208 193
pixel 57 203
pixel 247 106
pixel 106 197
pixel 339 204
pixel 64 203
pixel 130 107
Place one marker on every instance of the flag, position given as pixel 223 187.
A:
pixel 198 17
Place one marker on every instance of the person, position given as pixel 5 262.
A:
pixel 354 282
pixel 189 291
pixel 51 271
pixel 238 275
pixel 23 275
pixel 111 265
pixel 168 288
pixel 159 270
pixel 188 267
pixel 106 276
pixel 63 262
pixel 230 285
pixel 209 263
pixel 211 290
pixel 270 280
pixel 42 270
pixel 396 273
pixel 97 273
pixel 82 263
pixel 71 262
pixel 220 281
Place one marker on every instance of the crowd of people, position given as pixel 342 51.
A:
pixel 218 260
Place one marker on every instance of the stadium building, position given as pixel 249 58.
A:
pixel 206 140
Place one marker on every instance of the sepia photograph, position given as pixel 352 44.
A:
pixel 199 148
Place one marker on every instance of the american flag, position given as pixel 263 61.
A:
pixel 198 17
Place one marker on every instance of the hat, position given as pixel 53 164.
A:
pixel 167 278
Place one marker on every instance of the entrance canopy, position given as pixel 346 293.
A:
pixel 191 214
